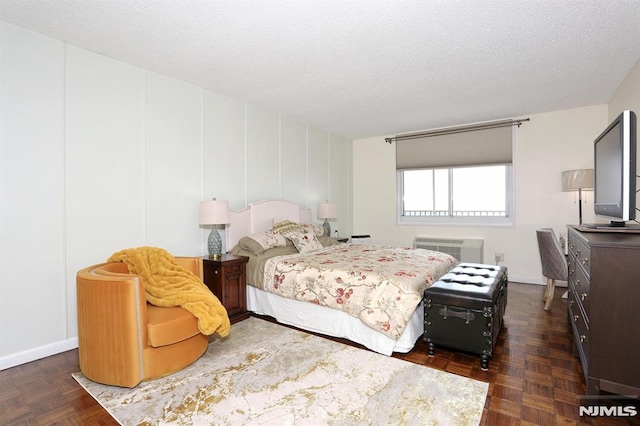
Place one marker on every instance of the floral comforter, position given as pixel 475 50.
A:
pixel 382 286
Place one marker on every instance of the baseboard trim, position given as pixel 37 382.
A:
pixel 37 353
pixel 536 281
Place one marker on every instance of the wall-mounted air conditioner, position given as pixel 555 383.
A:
pixel 463 249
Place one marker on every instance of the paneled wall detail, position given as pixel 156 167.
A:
pixel 98 155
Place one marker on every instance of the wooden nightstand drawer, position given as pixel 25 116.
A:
pixel 237 269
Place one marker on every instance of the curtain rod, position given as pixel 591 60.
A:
pixel 459 129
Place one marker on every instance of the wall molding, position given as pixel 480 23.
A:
pixel 38 353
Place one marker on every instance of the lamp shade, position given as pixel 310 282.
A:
pixel 573 180
pixel 214 212
pixel 326 211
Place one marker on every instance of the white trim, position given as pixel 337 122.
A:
pixel 38 353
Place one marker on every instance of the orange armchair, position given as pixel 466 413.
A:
pixel 122 339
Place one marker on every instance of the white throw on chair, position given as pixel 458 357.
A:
pixel 554 262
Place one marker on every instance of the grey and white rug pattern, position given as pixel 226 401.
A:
pixel 267 374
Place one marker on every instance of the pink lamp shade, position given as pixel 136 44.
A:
pixel 214 212
pixel 326 211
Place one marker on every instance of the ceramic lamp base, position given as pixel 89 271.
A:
pixel 215 244
pixel 327 228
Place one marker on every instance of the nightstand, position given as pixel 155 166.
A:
pixel 226 278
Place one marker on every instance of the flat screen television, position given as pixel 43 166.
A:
pixel 615 172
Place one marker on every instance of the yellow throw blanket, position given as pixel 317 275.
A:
pixel 168 284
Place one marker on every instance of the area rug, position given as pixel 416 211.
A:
pixel 268 374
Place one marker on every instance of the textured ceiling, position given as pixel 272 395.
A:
pixel 365 68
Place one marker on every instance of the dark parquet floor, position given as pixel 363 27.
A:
pixel 533 377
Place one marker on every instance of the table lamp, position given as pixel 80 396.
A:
pixel 326 211
pixel 214 213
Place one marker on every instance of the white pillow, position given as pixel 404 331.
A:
pixel 305 243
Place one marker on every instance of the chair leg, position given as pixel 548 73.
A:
pixel 545 295
pixel 551 285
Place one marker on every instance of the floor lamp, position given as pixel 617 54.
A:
pixel 577 180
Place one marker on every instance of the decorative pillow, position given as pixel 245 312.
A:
pixel 313 228
pixel 287 227
pixel 258 243
pixel 305 242
pixel 278 220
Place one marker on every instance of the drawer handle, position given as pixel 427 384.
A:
pixel 582 338
pixel 585 261
pixel 578 251
pixel 576 317
pixel 570 302
pixel 583 296
pixel 577 283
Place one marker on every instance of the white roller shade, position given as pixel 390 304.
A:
pixel 455 147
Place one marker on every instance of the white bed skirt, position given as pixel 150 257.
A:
pixel 331 322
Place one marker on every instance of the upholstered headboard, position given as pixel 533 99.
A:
pixel 258 217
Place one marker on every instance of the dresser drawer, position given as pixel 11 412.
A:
pixel 581 251
pixel 580 329
pixel 579 284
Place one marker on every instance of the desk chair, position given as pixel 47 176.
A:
pixel 554 262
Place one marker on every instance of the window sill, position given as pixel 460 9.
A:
pixel 502 223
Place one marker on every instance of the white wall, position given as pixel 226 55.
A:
pixel 33 288
pixel 628 95
pixel 543 148
pixel 98 155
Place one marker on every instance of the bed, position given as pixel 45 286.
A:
pixel 370 294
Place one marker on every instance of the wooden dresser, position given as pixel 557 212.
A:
pixel 604 308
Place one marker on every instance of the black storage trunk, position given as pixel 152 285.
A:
pixel 464 309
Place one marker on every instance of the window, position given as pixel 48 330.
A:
pixel 456 177
pixel 472 195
